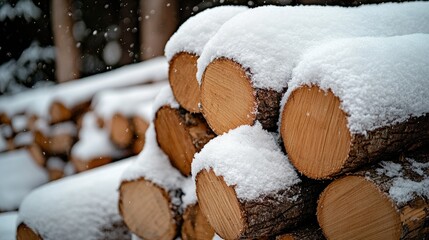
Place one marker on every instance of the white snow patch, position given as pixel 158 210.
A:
pixel 3 144
pixel 55 163
pixel 20 174
pixel 127 101
pixel 60 209
pixel 23 8
pixel 112 53
pixel 19 123
pixel 379 81
pixel 23 139
pixel 248 158
pixel 271 47
pixel 153 165
pixel 197 30
pixel 189 193
pixel 8 225
pixel 165 97
pixel 93 141
pixel 390 169
pixel 6 131
pixel 69 169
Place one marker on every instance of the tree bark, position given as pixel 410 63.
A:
pixel 268 215
pixel 180 135
pixel 311 232
pixel 158 22
pixel 67 54
pixel 377 200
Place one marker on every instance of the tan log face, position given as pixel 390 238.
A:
pixel 59 113
pixel 354 208
pixel 121 131
pixel 146 210
pixel 23 232
pixel 183 81
pixel 227 96
pixel 219 204
pixel 315 133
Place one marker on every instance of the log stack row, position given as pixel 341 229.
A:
pixel 336 126
pixel 49 122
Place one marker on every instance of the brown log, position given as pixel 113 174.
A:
pixel 320 145
pixel 147 210
pixel 83 165
pixel 121 131
pixel 67 54
pixel 195 224
pixel 140 126
pixel 37 154
pixel 4 118
pixel 24 232
pixel 159 21
pixel 58 112
pixel 364 205
pixel 182 76
pixel 269 215
pixel 311 232
pixel 229 100
pixel 180 135
pixel 59 144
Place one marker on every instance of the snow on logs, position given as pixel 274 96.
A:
pixel 84 206
pixel 20 174
pixel 126 123
pixel 184 48
pixel 154 195
pixel 247 188
pixel 180 134
pixel 340 112
pixel 243 76
pixel 94 147
pixel 387 201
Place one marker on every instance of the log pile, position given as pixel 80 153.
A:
pixel 340 118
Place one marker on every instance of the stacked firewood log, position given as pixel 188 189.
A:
pixel 83 124
pixel 323 130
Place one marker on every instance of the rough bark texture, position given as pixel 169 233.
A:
pixel 198 128
pixel 311 232
pixel 384 143
pixel 268 107
pixel 414 214
pixel 272 214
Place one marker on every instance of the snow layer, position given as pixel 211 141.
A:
pixel 55 163
pixel 23 8
pixel 3 144
pixel 189 192
pixel 19 123
pixel 83 206
pixel 20 174
pixel 402 189
pixel 38 101
pixel 23 139
pixel 8 225
pixel 165 97
pixel 248 158
pixel 93 141
pixel 125 101
pixel 197 30
pixel 268 41
pixel 66 128
pixel 380 81
pixel 153 165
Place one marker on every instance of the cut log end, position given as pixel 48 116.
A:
pixel 315 133
pixel 227 96
pixel 146 210
pixel 140 127
pixel 195 224
pixel 121 131
pixel 181 134
pixel 182 75
pixel 219 204
pixel 23 232
pixel 59 113
pixel 354 208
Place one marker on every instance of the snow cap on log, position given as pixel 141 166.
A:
pixel 197 30
pixel 379 81
pixel 88 199
pixel 93 141
pixel 20 174
pixel 291 30
pixel 153 165
pixel 109 102
pixel 248 158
